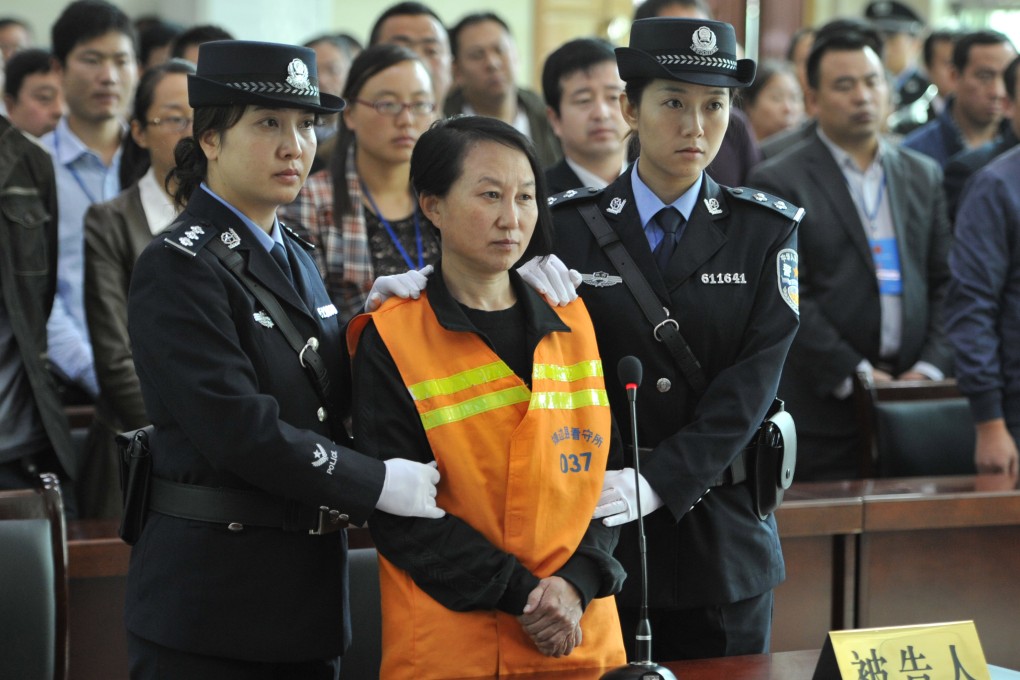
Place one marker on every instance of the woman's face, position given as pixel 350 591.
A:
pixel 779 106
pixel 172 116
pixel 390 138
pixel 262 161
pixel 488 216
pixel 681 126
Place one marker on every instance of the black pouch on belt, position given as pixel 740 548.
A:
pixel 135 474
pixel 773 459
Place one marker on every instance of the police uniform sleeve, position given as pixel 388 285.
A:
pixel 446 557
pixel 200 376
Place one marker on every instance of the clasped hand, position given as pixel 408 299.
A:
pixel 552 617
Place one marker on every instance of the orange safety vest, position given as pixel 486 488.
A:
pixel 531 494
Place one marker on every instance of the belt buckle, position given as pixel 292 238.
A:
pixel 329 521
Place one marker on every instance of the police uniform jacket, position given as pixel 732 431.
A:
pixel 722 286
pixel 28 272
pixel 232 407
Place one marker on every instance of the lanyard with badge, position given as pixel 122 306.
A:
pixel 885 251
pixel 74 173
pixel 393 234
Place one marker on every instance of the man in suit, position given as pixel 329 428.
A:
pixel 964 164
pixel 582 89
pixel 484 70
pixel 873 255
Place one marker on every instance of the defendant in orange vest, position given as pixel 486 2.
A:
pixel 506 395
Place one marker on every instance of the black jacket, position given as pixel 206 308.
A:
pixel 28 272
pixel 232 407
pixel 719 551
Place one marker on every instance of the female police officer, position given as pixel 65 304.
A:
pixel 236 573
pixel 729 285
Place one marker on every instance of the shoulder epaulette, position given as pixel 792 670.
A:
pixel 297 237
pixel 760 198
pixel 572 195
pixel 188 239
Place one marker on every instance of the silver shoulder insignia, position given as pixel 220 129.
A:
pixel 550 200
pixel 713 206
pixel 230 239
pixel 616 205
pixel 570 194
pixel 185 241
pixel 600 279
pixel 263 318
pixel 761 198
pixel 780 205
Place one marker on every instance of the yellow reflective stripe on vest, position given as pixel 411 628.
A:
pixel 459 381
pixel 473 407
pixel 568 400
pixel 579 371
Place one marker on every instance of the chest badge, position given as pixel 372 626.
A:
pixel 616 205
pixel 262 318
pixel 600 279
pixel 230 239
pixel 326 311
pixel 712 204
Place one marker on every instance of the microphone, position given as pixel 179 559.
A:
pixel 629 371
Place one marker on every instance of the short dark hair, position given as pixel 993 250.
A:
pixel 155 35
pixel 961 50
pixel 401 9
pixel 471 20
pixel 84 20
pixel 651 8
pixel 196 35
pixel 577 55
pixel 841 35
pixel 347 44
pixel 14 21
pixel 22 65
pixel 1009 77
pixel 935 37
pixel 437 162
pixel 767 69
pixel 791 48
pixel 134 160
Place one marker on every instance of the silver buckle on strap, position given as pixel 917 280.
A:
pixel 665 322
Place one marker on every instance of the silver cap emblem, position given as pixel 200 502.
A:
pixel 703 42
pixel 297 75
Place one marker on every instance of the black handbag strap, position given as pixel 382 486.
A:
pixel 664 329
pixel 306 350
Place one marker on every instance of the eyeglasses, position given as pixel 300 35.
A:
pixel 388 107
pixel 175 123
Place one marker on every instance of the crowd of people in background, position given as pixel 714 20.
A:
pixel 897 138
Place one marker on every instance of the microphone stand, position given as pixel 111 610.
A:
pixel 643 668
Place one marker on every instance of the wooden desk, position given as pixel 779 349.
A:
pixel 798 665
pixel 943 549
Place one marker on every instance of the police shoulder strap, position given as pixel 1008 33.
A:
pixel 665 329
pixel 306 350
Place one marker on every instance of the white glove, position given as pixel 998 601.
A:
pixel 409 489
pixel 618 502
pixel 407 285
pixel 550 277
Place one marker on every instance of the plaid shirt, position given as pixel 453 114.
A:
pixel 341 252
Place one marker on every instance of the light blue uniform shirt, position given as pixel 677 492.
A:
pixel 82 179
pixel 648 205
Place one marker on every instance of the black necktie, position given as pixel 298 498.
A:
pixel 670 220
pixel 279 254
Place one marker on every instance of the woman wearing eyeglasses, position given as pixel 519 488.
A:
pixel 116 232
pixel 360 211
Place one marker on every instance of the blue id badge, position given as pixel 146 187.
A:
pixel 887 265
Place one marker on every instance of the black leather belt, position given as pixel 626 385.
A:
pixel 237 509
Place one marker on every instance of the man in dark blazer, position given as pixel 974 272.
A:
pixel 873 255
pixel 582 89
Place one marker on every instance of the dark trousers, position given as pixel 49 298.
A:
pixel 742 627
pixel 150 661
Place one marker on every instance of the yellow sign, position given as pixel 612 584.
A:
pixel 937 651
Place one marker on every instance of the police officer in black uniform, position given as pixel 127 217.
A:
pixel 723 263
pixel 240 570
